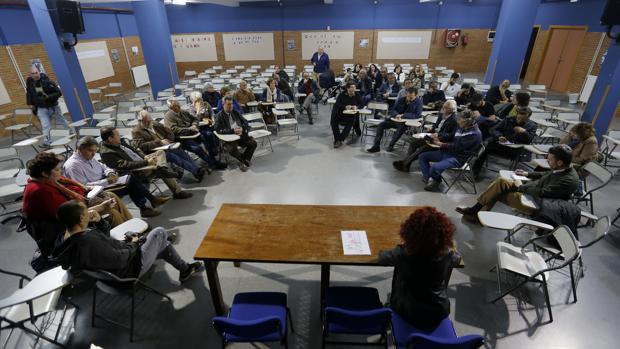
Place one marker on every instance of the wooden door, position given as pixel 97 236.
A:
pixel 562 51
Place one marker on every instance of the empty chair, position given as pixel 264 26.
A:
pixel 255 317
pixel 407 336
pixel 530 266
pixel 259 127
pixel 10 123
pixel 354 310
pixel 115 86
pixel 600 174
pixel 189 74
pixel 286 122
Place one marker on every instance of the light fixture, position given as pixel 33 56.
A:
pixel 179 2
pixel 574 0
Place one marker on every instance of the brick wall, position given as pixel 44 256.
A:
pixel 472 58
pixel 24 53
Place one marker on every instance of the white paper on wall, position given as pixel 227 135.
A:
pixel 4 94
pixel 337 44
pixel 406 44
pixel 248 46
pixel 194 47
pixel 94 60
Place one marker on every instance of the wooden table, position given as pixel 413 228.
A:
pixel 296 234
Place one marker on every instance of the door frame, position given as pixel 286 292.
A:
pixel 550 29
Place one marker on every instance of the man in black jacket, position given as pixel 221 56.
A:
pixel 344 113
pixel 42 95
pixel 443 130
pixel 230 122
pixel 123 158
pixel 364 84
pixel 81 248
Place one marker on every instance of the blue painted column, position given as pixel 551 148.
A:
pixel 605 96
pixel 65 63
pixel 513 32
pixel 154 31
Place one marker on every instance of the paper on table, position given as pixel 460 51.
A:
pixel 355 242
pixel 94 192
pixel 174 145
pixel 122 180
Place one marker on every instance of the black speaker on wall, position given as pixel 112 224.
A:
pixel 70 17
pixel 611 14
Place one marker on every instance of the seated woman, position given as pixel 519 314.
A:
pixel 47 190
pixel 271 95
pixel 422 266
pixel 83 248
pixel 582 139
pixel 203 111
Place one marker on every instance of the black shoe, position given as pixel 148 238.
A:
pixel 465 211
pixel 432 185
pixel 201 174
pixel 172 237
pixel 337 144
pixel 179 172
pixel 242 166
pixel 220 166
pixel 182 195
pixel 390 148
pixel 400 166
pixel 247 163
pixel 373 149
pixel 192 269
pixel 310 122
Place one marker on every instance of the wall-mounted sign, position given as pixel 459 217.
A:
pixel 248 46
pixel 194 47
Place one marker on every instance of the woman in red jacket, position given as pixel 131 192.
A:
pixel 47 190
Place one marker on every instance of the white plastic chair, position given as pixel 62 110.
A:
pixel 286 122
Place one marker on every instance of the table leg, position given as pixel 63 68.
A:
pixel 214 287
pixel 325 268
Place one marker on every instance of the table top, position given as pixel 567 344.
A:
pixel 301 234
pixel 503 221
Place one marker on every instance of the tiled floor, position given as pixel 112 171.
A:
pixel 310 171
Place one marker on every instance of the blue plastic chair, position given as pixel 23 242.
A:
pixel 407 336
pixel 255 317
pixel 355 310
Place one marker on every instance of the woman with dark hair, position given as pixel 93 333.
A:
pixel 375 76
pixel 582 139
pixel 422 265
pixel 47 189
pixel 357 68
pixel 398 72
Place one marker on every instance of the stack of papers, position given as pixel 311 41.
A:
pixel 354 242
pixel 122 180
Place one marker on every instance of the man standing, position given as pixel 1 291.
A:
pixel 42 95
pixel 443 130
pixel 229 121
pixel 186 128
pixel 320 61
pixel 345 113
pixel 83 168
pixel 311 90
pixel 124 158
pixel 407 108
pixel 148 135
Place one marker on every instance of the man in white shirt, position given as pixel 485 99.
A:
pixel 451 88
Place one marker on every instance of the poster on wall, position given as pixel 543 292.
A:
pixel 4 94
pixel 405 44
pixel 115 55
pixel 337 44
pixel 364 43
pixel 248 46
pixel 290 44
pixel 452 37
pixel 36 62
pixel 94 60
pixel 194 47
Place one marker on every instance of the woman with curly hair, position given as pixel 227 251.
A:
pixel 422 266
pixel 582 139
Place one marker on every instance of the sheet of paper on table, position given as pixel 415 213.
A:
pixel 122 180
pixel 512 175
pixel 354 242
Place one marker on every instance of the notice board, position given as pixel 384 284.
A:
pixel 337 44
pixel 405 44
pixel 94 60
pixel 248 46
pixel 194 47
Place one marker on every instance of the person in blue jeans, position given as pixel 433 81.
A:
pixel 467 140
pixel 42 95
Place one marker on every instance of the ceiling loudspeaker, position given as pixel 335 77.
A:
pixel 70 17
pixel 611 14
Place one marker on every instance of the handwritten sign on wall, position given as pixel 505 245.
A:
pixel 337 44
pixel 194 47
pixel 248 46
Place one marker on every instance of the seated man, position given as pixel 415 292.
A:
pixel 389 88
pixel 407 108
pixel 244 95
pixel 451 88
pixel 408 83
pixel 443 130
pixel 229 122
pixel 148 135
pixel 364 84
pixel 349 100
pixel 559 183
pixel 211 96
pixel 283 74
pixel 463 97
pixel 515 130
pixel 284 86
pixel 519 99
pixel 499 94
pixel 433 98
pixel 81 247
pixel 311 90
pixel 123 158
pixel 484 114
pixel 467 140
pixel 203 112
pixel 225 91
pixel 83 168
pixel 184 124
pixel 327 79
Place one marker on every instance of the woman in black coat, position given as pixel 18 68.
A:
pixel 422 265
